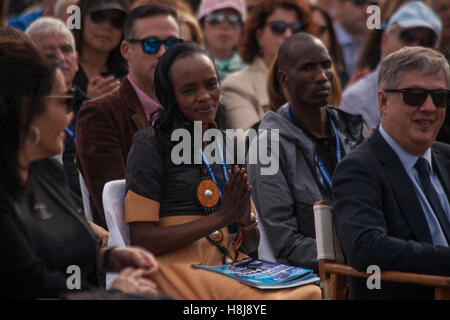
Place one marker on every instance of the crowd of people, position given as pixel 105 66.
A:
pixel 358 117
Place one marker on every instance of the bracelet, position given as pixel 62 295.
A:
pixel 106 255
pixel 251 226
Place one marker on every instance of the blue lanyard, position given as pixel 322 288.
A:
pixel 320 165
pixel 210 170
pixel 70 133
pixel 232 228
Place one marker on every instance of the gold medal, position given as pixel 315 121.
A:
pixel 208 193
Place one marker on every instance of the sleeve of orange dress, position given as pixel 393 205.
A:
pixel 144 176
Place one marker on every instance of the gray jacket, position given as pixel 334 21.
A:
pixel 284 201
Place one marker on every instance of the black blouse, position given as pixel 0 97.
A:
pixel 154 176
pixel 41 236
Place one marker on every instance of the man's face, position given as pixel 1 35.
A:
pixel 352 15
pixel 394 41
pixel 413 128
pixel 309 80
pixel 142 65
pixel 442 8
pixel 59 46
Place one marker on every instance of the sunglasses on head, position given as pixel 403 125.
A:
pixel 408 37
pixel 415 97
pixel 217 18
pixel 115 19
pixel 280 27
pixel 151 45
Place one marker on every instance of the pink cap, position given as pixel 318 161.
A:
pixel 208 6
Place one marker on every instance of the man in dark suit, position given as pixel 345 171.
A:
pixel 391 194
pixel 106 125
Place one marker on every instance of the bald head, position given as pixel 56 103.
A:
pixel 293 47
pixel 305 71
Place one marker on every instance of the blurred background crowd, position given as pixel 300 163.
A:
pixel 109 64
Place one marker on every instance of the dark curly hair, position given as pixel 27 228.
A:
pixel 248 46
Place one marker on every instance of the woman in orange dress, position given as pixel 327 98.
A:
pixel 196 212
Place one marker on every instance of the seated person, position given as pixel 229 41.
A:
pixel 270 22
pixel 313 138
pixel 391 195
pixel 173 209
pixel 41 234
pixel 222 23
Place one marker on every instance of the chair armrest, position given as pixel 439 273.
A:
pixel 394 276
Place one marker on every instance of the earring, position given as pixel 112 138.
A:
pixel 37 133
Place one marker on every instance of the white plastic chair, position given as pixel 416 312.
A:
pixel 113 205
pixel 85 197
pixel 264 249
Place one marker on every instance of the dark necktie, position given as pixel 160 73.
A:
pixel 428 189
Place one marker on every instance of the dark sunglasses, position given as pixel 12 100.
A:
pixel 115 19
pixel 279 27
pixel 415 97
pixel 151 45
pixel 362 3
pixel 408 37
pixel 217 18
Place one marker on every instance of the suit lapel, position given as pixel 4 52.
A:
pixel 402 187
pixel 131 100
pixel 442 165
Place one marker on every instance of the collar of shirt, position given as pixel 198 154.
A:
pixel 149 105
pixel 408 160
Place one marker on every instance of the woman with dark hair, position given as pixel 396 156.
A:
pixel 98 41
pixel 268 24
pixel 192 213
pixel 43 239
pixel 326 33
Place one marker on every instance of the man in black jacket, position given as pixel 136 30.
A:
pixel 391 195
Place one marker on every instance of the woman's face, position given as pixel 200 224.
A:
pixel 324 33
pixel 52 122
pixel 196 86
pixel 222 30
pixel 101 32
pixel 268 40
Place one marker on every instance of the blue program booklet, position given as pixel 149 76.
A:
pixel 263 274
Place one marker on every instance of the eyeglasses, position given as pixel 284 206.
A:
pixel 415 97
pixel 217 18
pixel 115 19
pixel 362 3
pixel 408 37
pixel 68 98
pixel 279 27
pixel 151 45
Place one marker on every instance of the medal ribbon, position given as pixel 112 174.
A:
pixel 210 170
pixel 320 165
pixel 232 228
